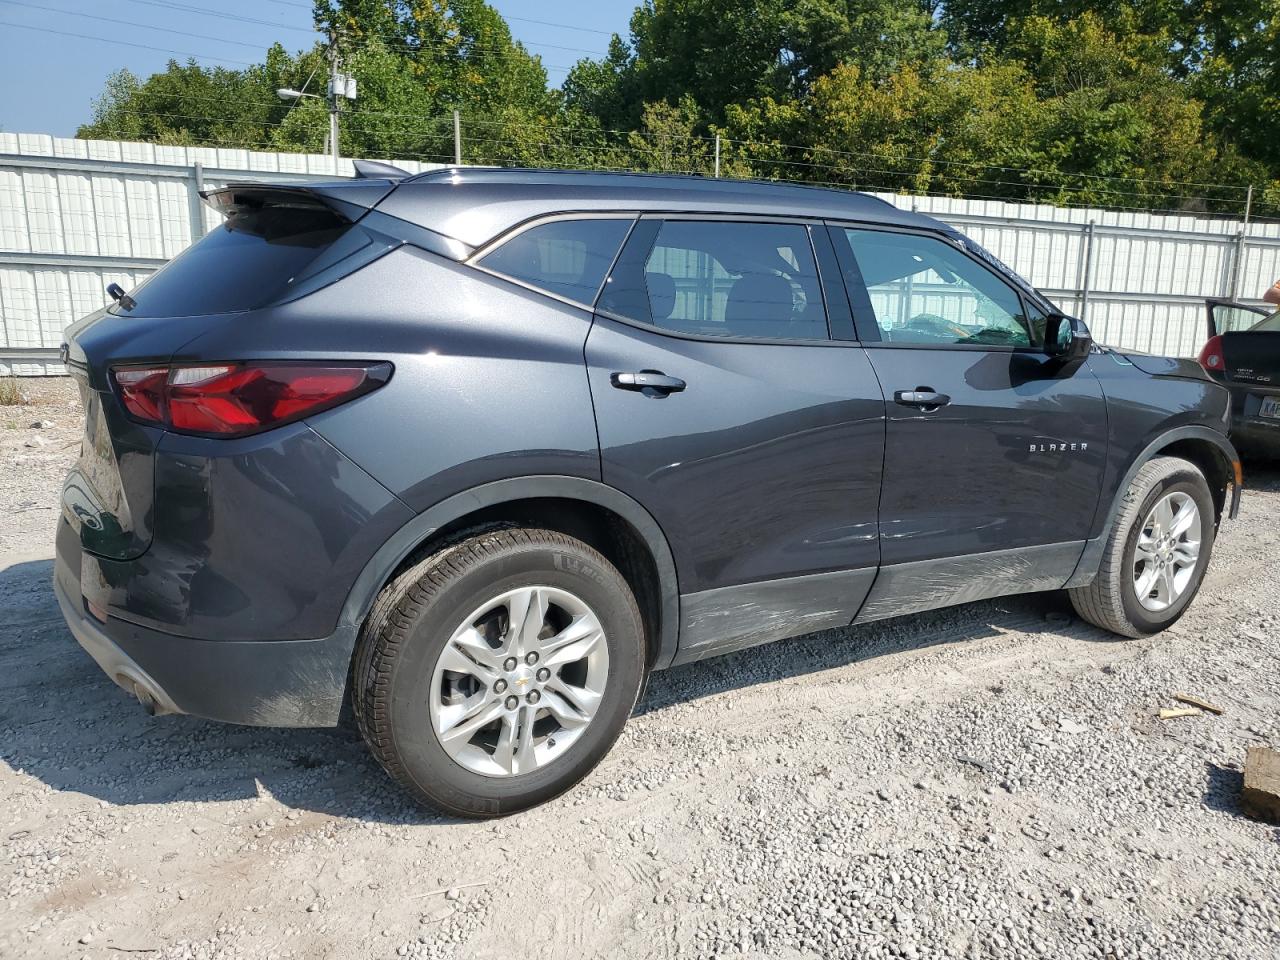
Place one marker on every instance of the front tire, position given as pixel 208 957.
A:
pixel 497 672
pixel 1156 553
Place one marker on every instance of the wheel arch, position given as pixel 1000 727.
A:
pixel 596 513
pixel 1207 448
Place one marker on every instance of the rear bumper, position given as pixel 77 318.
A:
pixel 1256 435
pixel 113 661
pixel 1251 432
pixel 281 683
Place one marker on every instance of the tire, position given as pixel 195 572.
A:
pixel 1112 600
pixel 463 601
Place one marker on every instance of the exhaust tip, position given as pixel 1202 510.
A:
pixel 145 698
pixel 150 702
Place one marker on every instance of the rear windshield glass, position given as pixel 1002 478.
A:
pixel 1270 323
pixel 242 264
pixel 565 257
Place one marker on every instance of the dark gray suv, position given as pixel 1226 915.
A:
pixel 477 450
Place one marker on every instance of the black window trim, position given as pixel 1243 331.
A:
pixel 864 321
pixel 809 223
pixel 474 260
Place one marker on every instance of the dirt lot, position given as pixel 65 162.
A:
pixel 989 781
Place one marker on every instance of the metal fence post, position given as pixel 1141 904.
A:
pixel 457 139
pixel 195 203
pixel 717 154
pixel 1088 268
pixel 1237 263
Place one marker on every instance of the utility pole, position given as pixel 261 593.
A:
pixel 341 86
pixel 336 89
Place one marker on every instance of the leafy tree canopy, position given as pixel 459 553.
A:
pixel 1153 103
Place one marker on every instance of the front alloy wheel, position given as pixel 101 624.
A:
pixel 1167 552
pixel 1156 551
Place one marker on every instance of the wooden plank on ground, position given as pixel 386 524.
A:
pixel 1261 794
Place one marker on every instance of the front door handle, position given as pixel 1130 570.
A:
pixel 653 383
pixel 924 397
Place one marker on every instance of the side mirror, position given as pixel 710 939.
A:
pixel 1067 340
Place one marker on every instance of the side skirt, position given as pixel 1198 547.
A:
pixel 714 622
pixel 929 584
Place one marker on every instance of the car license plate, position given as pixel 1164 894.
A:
pixel 1271 407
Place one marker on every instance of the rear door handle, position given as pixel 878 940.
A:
pixel 651 382
pixel 922 397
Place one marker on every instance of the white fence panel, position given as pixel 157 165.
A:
pixel 76 215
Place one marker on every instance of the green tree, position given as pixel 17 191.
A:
pixel 413 63
pixel 189 104
pixel 1236 53
pixel 725 52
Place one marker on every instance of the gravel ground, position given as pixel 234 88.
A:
pixel 39 440
pixel 988 781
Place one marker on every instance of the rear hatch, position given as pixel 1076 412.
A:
pixel 1251 360
pixel 1253 356
pixel 277 244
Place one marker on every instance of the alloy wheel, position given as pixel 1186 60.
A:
pixel 519 681
pixel 1168 549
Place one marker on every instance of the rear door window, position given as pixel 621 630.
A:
pixel 566 257
pixel 727 279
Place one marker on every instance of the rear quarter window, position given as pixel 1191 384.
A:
pixel 566 257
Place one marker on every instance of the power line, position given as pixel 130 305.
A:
pixel 185 8
pixel 519 162
pixel 543 23
pixel 129 23
pixel 979 163
pixel 427 126
pixel 388 39
pixel 859 173
pixel 126 43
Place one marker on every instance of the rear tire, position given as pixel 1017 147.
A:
pixel 497 672
pixel 1148 576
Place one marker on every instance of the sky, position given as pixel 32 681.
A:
pixel 50 76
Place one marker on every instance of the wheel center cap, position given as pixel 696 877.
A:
pixel 521 679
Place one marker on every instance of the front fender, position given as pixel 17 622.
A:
pixel 1091 559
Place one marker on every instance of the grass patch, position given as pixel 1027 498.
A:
pixel 10 393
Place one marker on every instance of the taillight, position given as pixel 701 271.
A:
pixel 1211 356
pixel 236 399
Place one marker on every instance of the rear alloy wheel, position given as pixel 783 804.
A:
pixel 495 673
pixel 1157 550
pixel 519 682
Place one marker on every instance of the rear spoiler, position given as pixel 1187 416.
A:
pixel 350 199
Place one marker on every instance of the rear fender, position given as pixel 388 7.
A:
pixel 378 571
